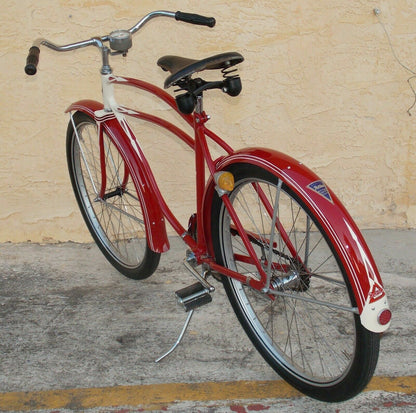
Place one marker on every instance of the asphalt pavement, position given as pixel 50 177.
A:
pixel 75 335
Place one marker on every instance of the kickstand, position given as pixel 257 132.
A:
pixel 188 320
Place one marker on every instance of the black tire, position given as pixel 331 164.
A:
pixel 115 221
pixel 322 351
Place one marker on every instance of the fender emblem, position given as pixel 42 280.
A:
pixel 376 293
pixel 320 188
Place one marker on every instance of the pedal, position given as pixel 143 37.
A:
pixel 194 296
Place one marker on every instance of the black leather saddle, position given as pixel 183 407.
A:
pixel 182 67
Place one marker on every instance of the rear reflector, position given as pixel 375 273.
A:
pixel 384 317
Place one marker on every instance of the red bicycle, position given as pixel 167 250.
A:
pixel 295 267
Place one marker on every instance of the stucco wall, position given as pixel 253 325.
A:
pixel 319 83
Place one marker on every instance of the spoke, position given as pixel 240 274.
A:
pixel 246 209
pixel 322 263
pixel 326 278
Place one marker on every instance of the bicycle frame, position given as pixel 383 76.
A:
pixel 111 118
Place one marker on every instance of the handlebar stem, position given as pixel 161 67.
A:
pixel 105 69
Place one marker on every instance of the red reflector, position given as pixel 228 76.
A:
pixel 384 317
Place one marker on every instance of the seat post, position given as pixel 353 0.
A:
pixel 199 107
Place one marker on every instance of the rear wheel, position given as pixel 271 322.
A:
pixel 309 332
pixel 114 219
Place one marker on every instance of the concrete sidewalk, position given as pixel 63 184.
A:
pixel 68 320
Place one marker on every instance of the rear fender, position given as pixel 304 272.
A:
pixel 342 231
pixel 142 178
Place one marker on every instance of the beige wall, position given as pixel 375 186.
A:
pixel 320 83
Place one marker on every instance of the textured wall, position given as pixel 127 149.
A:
pixel 320 83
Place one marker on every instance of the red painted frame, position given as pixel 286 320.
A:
pixel 202 157
pixel 338 225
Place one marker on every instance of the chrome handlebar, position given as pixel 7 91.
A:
pixel 123 39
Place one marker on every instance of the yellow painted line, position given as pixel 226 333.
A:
pixel 406 384
pixel 164 394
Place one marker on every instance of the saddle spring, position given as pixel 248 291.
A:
pixel 227 72
pixel 232 82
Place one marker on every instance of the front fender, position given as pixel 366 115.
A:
pixel 130 151
pixel 342 231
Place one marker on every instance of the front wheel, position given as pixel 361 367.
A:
pixel 308 330
pixel 113 216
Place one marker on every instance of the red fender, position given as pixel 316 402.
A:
pixel 334 218
pixel 143 180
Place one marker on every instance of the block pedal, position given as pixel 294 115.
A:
pixel 194 296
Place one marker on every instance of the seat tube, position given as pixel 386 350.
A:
pixel 199 121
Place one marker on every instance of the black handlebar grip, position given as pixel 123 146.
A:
pixel 195 19
pixel 32 61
